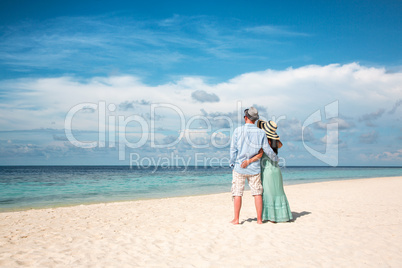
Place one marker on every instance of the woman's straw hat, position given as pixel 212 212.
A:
pixel 269 128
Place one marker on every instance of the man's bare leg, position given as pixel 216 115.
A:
pixel 258 207
pixel 237 207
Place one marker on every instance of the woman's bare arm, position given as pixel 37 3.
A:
pixel 253 159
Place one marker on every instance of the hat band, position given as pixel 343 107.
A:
pixel 273 137
pixel 271 127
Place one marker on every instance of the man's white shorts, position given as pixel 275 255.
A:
pixel 239 180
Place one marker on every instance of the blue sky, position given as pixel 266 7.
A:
pixel 200 60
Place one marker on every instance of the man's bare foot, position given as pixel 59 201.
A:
pixel 259 222
pixel 234 221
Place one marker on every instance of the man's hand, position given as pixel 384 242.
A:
pixel 245 163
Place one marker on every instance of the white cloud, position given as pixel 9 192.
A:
pixel 274 30
pixel 370 117
pixel 387 156
pixel 369 138
pixel 293 94
pixel 395 107
pixel 342 123
pixel 203 96
pixel 330 139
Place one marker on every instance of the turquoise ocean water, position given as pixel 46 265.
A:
pixel 23 187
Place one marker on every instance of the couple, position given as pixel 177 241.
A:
pixel 253 156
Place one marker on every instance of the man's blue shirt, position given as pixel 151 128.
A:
pixel 247 140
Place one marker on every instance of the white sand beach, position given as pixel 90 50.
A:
pixel 354 223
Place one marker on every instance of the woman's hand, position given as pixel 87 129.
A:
pixel 245 163
pixel 253 159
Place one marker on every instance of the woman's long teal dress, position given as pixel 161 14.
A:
pixel 275 204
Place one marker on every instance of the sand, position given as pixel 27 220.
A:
pixel 354 223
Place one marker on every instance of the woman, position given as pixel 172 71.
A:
pixel 275 204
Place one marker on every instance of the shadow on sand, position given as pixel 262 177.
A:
pixel 248 220
pixel 294 214
pixel 299 214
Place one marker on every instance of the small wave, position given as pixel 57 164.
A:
pixel 7 201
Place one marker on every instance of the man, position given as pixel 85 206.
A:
pixel 247 140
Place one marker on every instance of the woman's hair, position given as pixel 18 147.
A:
pixel 274 145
